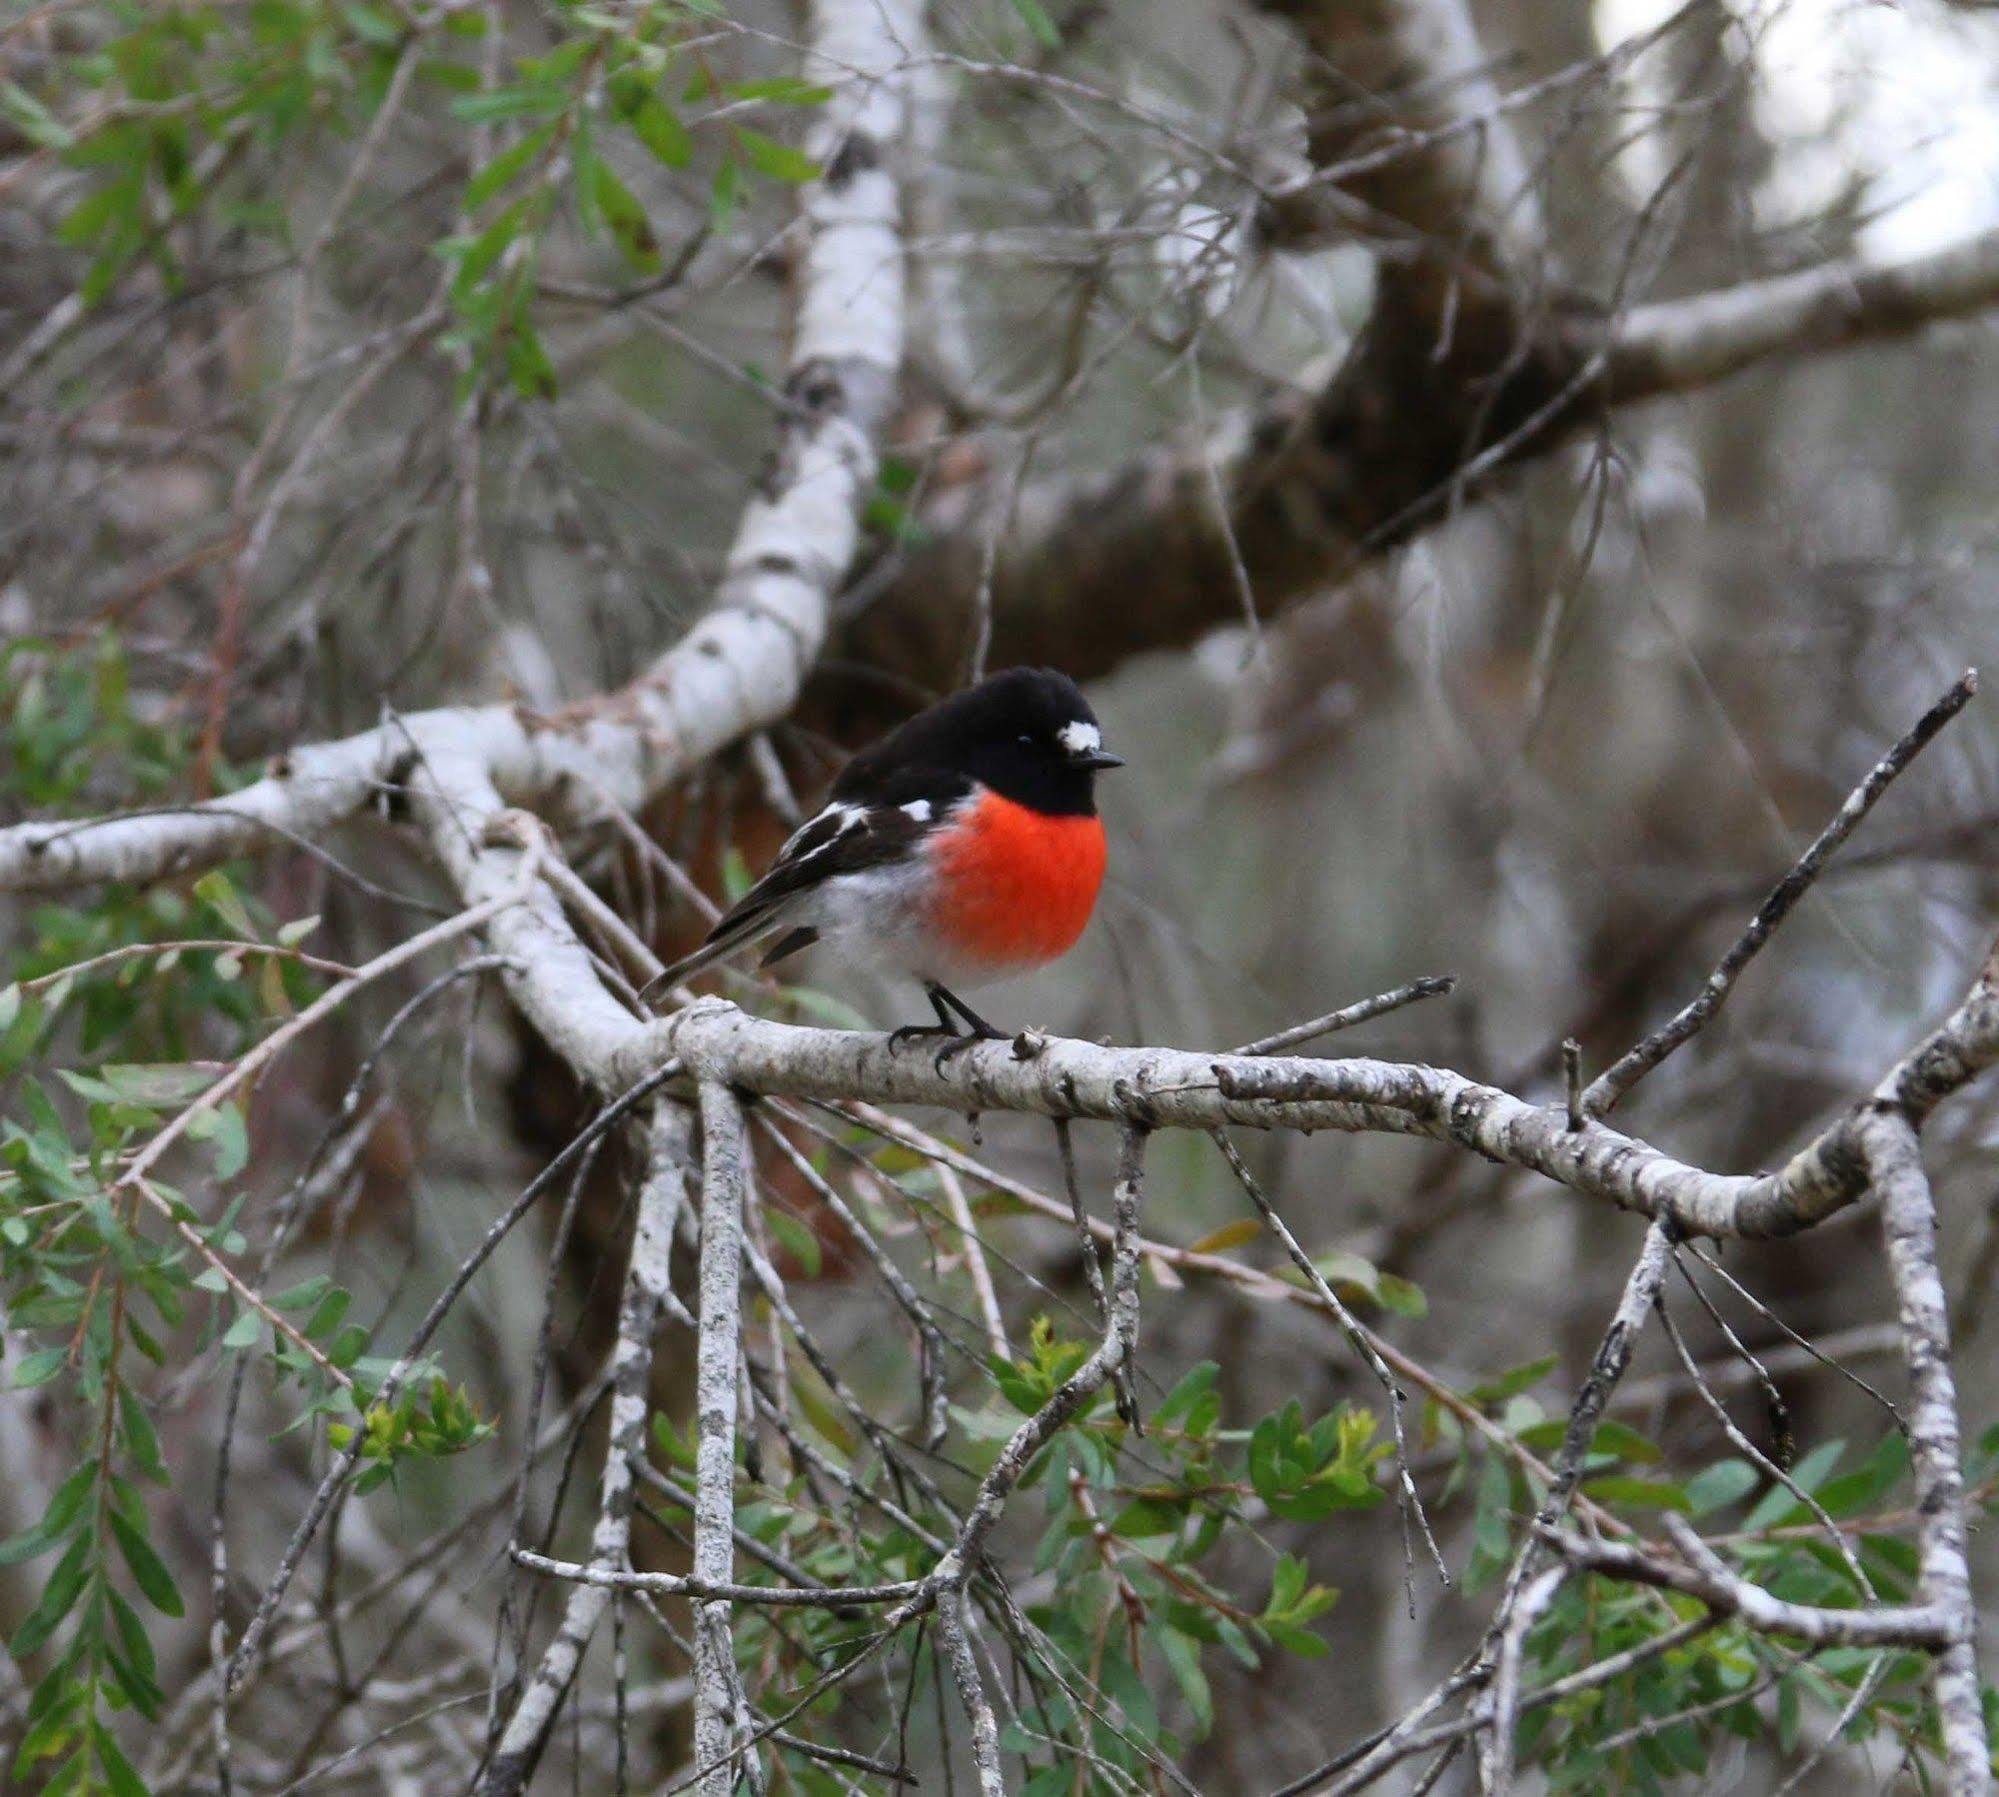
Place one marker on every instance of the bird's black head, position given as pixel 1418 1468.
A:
pixel 1028 733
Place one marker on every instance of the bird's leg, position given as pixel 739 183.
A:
pixel 912 1032
pixel 944 1003
pixel 981 1030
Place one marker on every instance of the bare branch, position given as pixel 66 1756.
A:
pixel 1609 1087
pixel 725 1173
pixel 1909 1233
pixel 1155 1088
pixel 1699 1573
pixel 668 1157
pixel 1363 1011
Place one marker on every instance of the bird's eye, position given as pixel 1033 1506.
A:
pixel 1028 740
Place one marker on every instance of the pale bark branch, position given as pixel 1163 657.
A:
pixel 1699 1573
pixel 1319 487
pixel 1408 121
pixel 1161 1088
pixel 725 1174
pixel 661 1195
pixel 1909 1232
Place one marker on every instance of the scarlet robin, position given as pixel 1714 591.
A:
pixel 963 847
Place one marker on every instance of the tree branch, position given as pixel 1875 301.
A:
pixel 724 1175
pixel 1909 1232
pixel 647 1272
pixel 1160 1088
pixel 1318 487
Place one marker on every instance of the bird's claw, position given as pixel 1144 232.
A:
pixel 956 1046
pixel 954 1042
pixel 910 1032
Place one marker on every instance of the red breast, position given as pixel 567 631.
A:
pixel 1015 886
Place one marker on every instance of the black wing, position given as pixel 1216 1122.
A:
pixel 851 835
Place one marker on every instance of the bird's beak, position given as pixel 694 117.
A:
pixel 1098 758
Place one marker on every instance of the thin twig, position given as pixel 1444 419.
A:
pixel 1363 1011
pixel 1616 1080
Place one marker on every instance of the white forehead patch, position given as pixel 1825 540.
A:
pixel 918 810
pixel 1079 738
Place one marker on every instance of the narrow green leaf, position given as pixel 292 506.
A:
pixel 623 216
pixel 149 1571
pixel 505 168
pixel 119 1777
pixel 302 1296
pixel 783 90
pixel 58 1598
pixel 39 1367
pixel 656 125
pixel 510 103
pixel 1229 1235
pixel 778 160
pixel 1716 1487
pixel 1036 19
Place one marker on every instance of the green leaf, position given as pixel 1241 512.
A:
pixel 329 1315
pixel 1182 1655
pixel 1295 1640
pixel 58 1598
pixel 510 103
pixel 1036 19
pixel 132 1632
pixel 1853 1493
pixel 64 1511
pixel 656 125
pixel 32 119
pixel 777 160
pixel 1230 1235
pixel 1626 1443
pixel 623 216
pixel 302 1296
pixel 158 1083
pixel 1638 1494
pixel 243 1333
pixel 142 1442
pixel 528 364
pixel 216 890
pixel 1809 1474
pixel 1194 1385
pixel 1716 1487
pixel 476 256
pixel 1515 1380
pixel 149 1571
pixel 292 934
pixel 39 1367
pixel 795 1238
pixel 119 1778
pixel 784 90
pixel 224 1130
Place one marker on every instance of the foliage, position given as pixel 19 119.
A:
pixel 187 99
pixel 103 1259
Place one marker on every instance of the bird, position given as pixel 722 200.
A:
pixel 961 848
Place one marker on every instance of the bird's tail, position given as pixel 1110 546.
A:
pixel 727 936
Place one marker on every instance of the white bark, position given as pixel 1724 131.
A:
pixel 512 1764
pixel 724 1174
pixel 1161 1088
pixel 1909 1232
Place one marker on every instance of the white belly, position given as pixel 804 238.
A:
pixel 877 921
